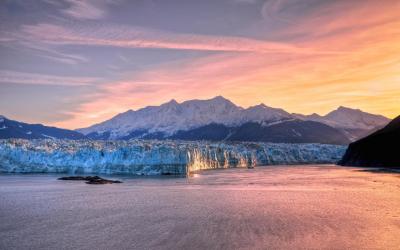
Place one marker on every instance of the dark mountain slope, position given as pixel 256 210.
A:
pixel 211 132
pixel 290 132
pixel 14 129
pixel 380 149
pixel 293 131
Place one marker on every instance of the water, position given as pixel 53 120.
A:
pixel 282 207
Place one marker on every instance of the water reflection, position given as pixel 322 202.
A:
pixel 286 207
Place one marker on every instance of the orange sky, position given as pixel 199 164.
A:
pixel 350 58
pixel 345 53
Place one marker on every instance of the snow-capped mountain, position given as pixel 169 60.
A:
pixel 354 123
pixel 218 118
pixel 14 129
pixel 172 117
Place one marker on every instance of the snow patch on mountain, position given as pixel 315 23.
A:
pixel 48 136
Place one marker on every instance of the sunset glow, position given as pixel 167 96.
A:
pixel 84 68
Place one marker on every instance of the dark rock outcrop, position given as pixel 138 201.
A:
pixel 380 149
pixel 89 179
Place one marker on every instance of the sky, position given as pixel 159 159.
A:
pixel 72 63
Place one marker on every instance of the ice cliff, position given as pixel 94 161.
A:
pixel 141 157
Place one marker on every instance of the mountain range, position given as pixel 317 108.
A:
pixel 380 149
pixel 216 119
pixel 220 119
pixel 14 129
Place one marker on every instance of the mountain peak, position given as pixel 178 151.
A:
pixel 171 102
pixel 354 119
pixel 261 105
pixel 346 109
pixel 220 99
pixel 315 115
pixel 341 110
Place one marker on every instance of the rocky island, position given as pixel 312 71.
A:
pixel 89 179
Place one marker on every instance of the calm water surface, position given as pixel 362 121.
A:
pixel 286 207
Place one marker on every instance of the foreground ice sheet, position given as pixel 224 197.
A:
pixel 153 157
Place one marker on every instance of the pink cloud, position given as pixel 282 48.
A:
pixel 136 37
pixel 7 76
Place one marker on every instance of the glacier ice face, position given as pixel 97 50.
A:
pixel 152 157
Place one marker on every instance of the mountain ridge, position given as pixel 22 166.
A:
pixel 214 119
pixel 171 117
pixel 15 129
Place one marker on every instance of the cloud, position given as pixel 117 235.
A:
pixel 290 10
pixel 17 41
pixel 53 54
pixel 85 9
pixel 7 76
pixel 245 1
pixel 136 37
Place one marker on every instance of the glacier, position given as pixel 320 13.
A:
pixel 153 157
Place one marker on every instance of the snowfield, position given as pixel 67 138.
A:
pixel 152 157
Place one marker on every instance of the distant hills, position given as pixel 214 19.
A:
pixel 15 129
pixel 220 119
pixel 214 119
pixel 380 149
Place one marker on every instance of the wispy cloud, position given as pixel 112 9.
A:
pixel 137 37
pixel 7 76
pixel 17 41
pixel 85 9
pixel 53 54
